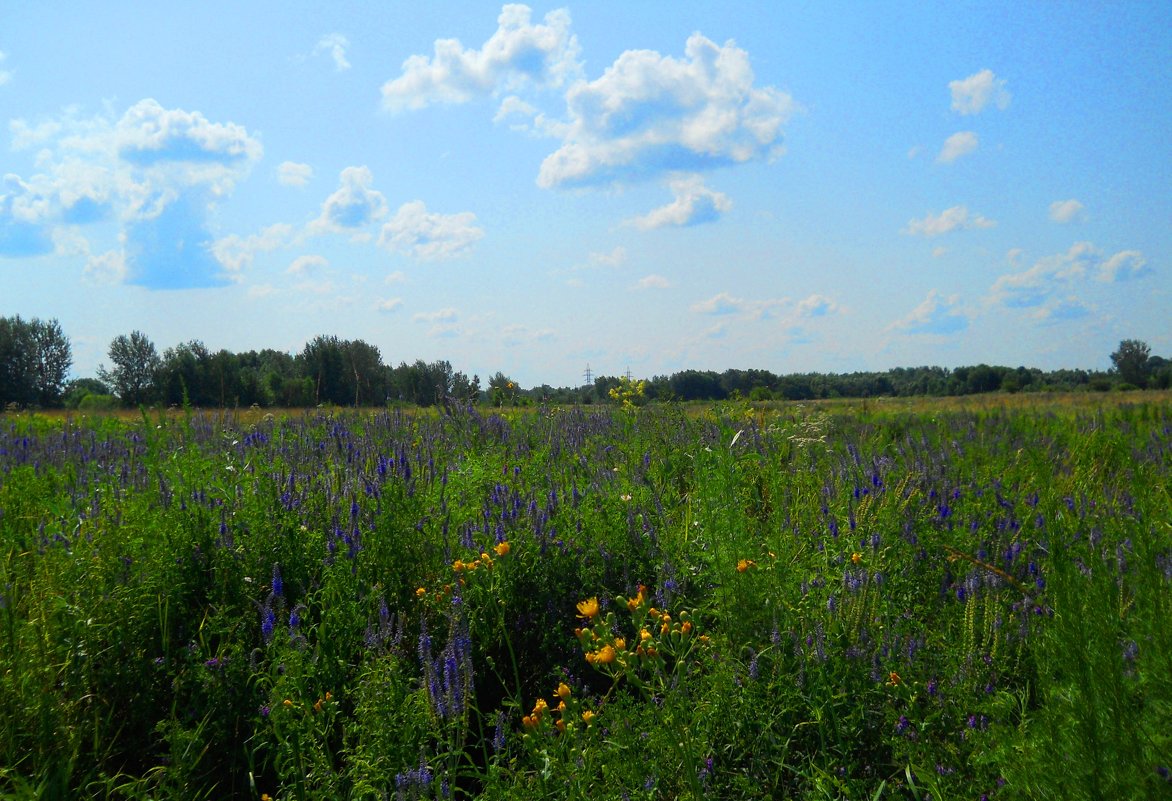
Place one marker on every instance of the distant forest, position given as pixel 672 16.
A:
pixel 35 360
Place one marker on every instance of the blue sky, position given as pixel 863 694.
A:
pixel 654 186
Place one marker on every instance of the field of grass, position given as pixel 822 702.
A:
pixel 832 601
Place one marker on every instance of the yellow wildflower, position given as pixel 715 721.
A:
pixel 588 608
pixel 563 691
pixel 419 593
pixel 856 557
pixel 605 655
pixel 587 717
pixel 502 548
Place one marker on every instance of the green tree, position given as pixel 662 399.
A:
pixel 80 388
pixel 34 360
pixel 1131 361
pixel 135 366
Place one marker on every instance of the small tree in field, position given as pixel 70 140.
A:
pixel 1132 361
pixel 136 364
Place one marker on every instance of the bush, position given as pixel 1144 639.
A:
pixel 97 403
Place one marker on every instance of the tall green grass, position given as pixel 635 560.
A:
pixel 792 602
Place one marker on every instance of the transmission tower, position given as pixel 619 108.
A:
pixel 589 376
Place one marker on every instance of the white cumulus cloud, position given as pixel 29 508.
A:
pixel 429 236
pixel 354 205
pixel 972 94
pixel 959 144
pixel 1064 211
pixel 518 53
pixel 388 305
pixel 956 218
pixel 694 204
pixel 649 114
pixel 157 172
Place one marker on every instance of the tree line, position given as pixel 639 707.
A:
pixel 35 360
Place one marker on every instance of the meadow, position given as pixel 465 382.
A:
pixel 837 601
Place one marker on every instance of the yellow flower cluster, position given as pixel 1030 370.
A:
pixel 659 633
pixel 317 706
pixel 565 707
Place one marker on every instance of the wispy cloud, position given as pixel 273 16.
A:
pixel 518 334
pixel 937 314
pixel 694 204
pixel 1070 308
pixel 307 264
pixel 959 144
pixel 291 173
pixel 518 53
pixel 429 236
pixel 1123 266
pixel 652 282
pixel 237 252
pixel 1040 286
pixel 816 306
pixel 956 218
pixel 5 75
pixel 1064 211
pixel 1034 286
pixel 388 305
pixel 335 44
pixel 444 322
pixel 613 258
pixel 785 309
pixel 972 94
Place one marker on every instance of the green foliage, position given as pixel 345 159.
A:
pixel 1131 361
pixel 34 361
